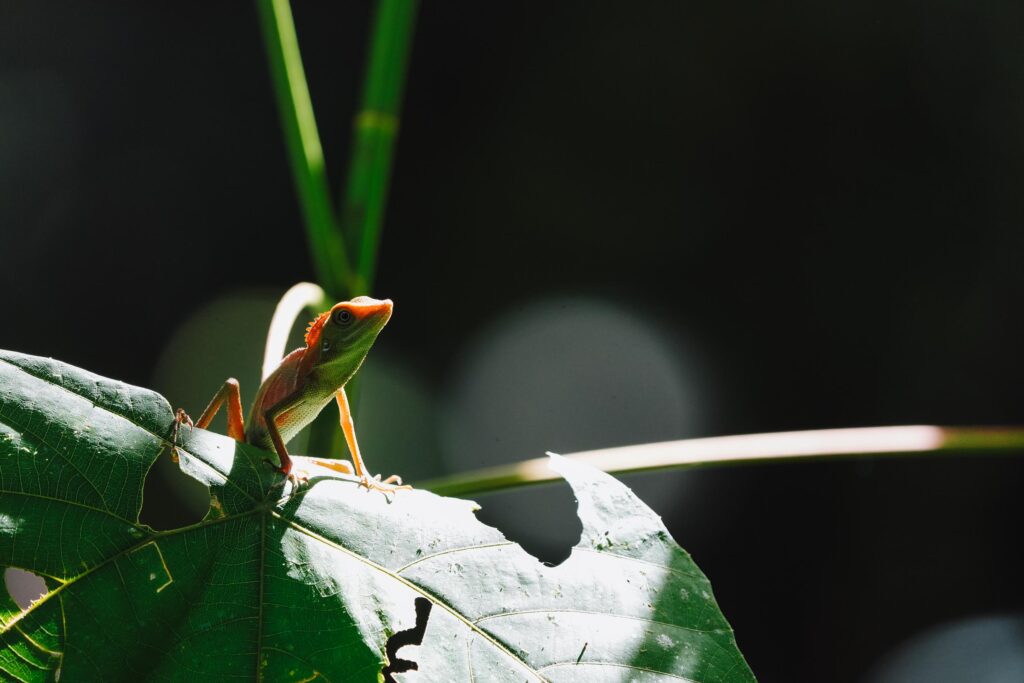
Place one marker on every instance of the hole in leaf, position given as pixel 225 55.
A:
pixel 23 586
pixel 542 520
pixel 170 498
pixel 410 636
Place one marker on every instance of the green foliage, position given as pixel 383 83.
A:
pixel 374 133
pixel 302 141
pixel 343 248
pixel 281 585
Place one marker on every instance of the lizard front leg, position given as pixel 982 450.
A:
pixel 270 416
pixel 349 429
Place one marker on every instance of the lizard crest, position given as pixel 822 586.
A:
pixel 314 329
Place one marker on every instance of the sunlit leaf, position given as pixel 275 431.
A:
pixel 330 582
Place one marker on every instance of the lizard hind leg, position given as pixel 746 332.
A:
pixel 342 466
pixel 231 394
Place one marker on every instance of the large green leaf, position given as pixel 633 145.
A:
pixel 327 583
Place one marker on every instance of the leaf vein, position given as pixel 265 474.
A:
pixel 452 550
pixel 498 645
pixel 573 662
pixel 513 613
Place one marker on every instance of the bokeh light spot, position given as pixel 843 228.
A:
pixel 565 375
pixel 979 650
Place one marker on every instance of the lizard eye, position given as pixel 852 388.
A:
pixel 343 317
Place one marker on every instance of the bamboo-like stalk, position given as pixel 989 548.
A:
pixel 326 243
pixel 375 129
pixel 745 449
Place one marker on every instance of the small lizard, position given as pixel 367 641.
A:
pixel 304 383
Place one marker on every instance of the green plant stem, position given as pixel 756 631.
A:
pixel 745 449
pixel 374 132
pixel 375 129
pixel 327 246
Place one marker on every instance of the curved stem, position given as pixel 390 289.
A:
pixel 745 449
pixel 301 297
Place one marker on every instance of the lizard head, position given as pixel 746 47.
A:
pixel 343 335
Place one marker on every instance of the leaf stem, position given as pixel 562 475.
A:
pixel 745 449
pixel 330 256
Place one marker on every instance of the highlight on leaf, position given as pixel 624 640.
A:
pixel 327 580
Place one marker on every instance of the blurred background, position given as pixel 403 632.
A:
pixel 609 224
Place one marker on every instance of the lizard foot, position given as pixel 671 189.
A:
pixel 298 479
pixel 389 485
pixel 180 418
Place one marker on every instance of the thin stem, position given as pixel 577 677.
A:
pixel 745 449
pixel 374 133
pixel 330 257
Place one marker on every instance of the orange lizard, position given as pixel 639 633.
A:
pixel 304 383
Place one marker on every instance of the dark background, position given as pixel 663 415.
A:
pixel 823 198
